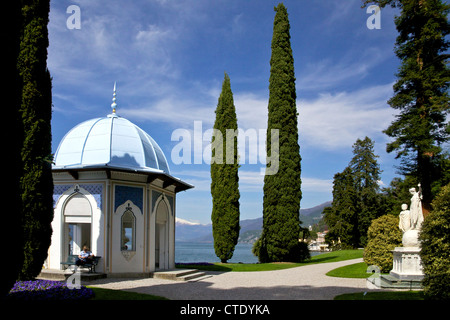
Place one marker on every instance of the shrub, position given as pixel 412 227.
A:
pixel 435 251
pixel 299 254
pixel 383 236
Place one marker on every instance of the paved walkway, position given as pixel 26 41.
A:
pixel 306 283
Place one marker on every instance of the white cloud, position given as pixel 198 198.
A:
pixel 327 122
pixel 201 179
pixel 249 181
pixel 251 111
pixel 114 43
pixel 337 70
pixel 316 185
pixel 173 111
pixel 334 121
pixel 254 181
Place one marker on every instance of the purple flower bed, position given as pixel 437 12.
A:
pixel 47 290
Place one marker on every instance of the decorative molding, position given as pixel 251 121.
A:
pixel 128 193
pixel 94 189
pixel 128 255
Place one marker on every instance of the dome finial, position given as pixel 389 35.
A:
pixel 114 104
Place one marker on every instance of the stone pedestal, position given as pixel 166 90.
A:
pixel 407 264
pixel 405 274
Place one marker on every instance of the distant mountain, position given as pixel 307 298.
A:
pixel 311 216
pixel 190 231
pixel 186 231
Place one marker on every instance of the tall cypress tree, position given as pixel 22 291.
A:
pixel 224 176
pixel 36 107
pixel 11 95
pixel 282 194
pixel 421 91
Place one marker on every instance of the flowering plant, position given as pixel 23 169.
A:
pixel 47 290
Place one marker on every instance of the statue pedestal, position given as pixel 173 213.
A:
pixel 407 264
pixel 406 273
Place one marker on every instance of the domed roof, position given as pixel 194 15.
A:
pixel 110 141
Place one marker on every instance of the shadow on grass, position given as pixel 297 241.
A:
pixel 204 266
pixel 323 259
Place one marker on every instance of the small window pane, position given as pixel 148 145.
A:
pixel 128 232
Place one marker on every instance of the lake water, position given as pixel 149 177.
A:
pixel 204 252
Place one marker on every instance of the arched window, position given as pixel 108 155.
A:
pixel 77 209
pixel 128 231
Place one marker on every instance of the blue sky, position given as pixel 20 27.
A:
pixel 169 57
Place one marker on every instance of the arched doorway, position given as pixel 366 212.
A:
pixel 162 236
pixel 77 214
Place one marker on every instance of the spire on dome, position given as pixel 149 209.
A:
pixel 114 104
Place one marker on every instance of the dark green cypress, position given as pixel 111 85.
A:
pixel 224 176
pixel 13 133
pixel 282 194
pixel 36 108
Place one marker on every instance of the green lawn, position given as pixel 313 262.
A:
pixel 333 256
pixel 357 270
pixel 382 295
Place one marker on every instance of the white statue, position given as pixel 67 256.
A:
pixel 415 208
pixel 404 219
pixel 410 221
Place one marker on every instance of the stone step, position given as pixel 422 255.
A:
pixel 387 281
pixel 180 275
pixel 194 277
pixel 62 275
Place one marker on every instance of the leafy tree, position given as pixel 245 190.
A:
pixel 282 193
pixel 366 172
pixel 11 95
pixel 35 109
pixel 365 167
pixel 435 248
pixel 396 194
pixel 342 216
pixel 356 198
pixel 383 236
pixel 224 176
pixel 421 91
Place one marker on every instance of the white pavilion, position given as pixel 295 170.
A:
pixel 113 192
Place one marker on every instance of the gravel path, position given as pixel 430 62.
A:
pixel 306 283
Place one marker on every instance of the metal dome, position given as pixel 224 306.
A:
pixel 110 141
